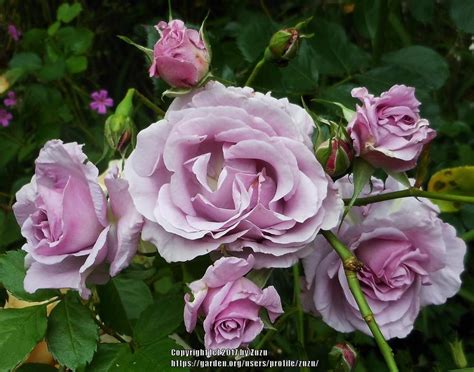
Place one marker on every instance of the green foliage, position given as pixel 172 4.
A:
pixel 12 274
pixel 70 50
pixel 72 333
pixel 122 302
pixel 20 330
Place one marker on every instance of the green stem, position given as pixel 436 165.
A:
pixel 299 311
pixel 413 192
pixel 297 301
pixel 351 266
pixel 150 104
pixel 254 72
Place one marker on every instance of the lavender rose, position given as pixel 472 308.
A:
pixel 180 57
pixel 411 259
pixel 231 166
pixel 230 304
pixel 63 216
pixel 387 131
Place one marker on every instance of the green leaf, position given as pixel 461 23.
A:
pixel 75 40
pixel 72 333
pixel 462 13
pixel 26 61
pixel 66 13
pixel 362 172
pixel 12 275
pixel 54 28
pixel 52 70
pixel 155 357
pixel 400 177
pixel 76 64
pixel 20 331
pixel 366 17
pixel 254 33
pixel 335 54
pixel 259 277
pixel 122 301
pixel 148 52
pixel 109 357
pixel 347 113
pixel 421 10
pixel 167 315
pixel 422 61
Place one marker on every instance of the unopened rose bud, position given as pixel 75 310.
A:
pixel 335 155
pixel 181 57
pixel 343 357
pixel 283 46
pixel 119 127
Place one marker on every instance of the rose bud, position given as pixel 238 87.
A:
pixel 343 357
pixel 335 155
pixel 181 57
pixel 119 127
pixel 284 44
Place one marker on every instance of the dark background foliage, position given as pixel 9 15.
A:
pixel 374 43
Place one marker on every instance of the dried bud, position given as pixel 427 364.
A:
pixel 343 357
pixel 335 155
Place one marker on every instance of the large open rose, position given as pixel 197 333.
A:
pixel 63 216
pixel 231 166
pixel 411 259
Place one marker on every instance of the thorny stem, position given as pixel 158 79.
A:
pixel 110 331
pixel 412 192
pixel 351 266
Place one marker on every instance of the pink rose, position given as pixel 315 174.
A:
pixel 411 259
pixel 230 304
pixel 180 57
pixel 231 166
pixel 387 131
pixel 63 216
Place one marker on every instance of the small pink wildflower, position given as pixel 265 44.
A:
pixel 100 101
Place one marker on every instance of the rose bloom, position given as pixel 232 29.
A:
pixel 411 259
pixel 387 131
pixel 180 57
pixel 230 304
pixel 63 216
pixel 231 166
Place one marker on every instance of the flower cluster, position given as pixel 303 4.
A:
pixel 231 171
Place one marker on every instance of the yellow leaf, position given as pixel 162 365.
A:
pixel 456 181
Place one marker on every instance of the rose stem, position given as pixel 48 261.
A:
pixel 299 309
pixel 109 331
pixel 412 192
pixel 150 104
pixel 254 72
pixel 351 266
